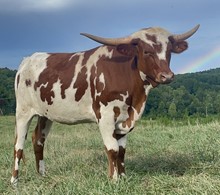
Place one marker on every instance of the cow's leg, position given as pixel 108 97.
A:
pixel 111 146
pixel 21 129
pixel 121 155
pixel 38 138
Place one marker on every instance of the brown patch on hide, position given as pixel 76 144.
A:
pixel 28 82
pixel 18 80
pixel 122 81
pixel 81 84
pixel 60 66
pixel 117 112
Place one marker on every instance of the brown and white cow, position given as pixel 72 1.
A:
pixel 108 85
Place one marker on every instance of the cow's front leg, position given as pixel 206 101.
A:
pixel 121 131
pixel 111 146
pixel 112 163
pixel 121 154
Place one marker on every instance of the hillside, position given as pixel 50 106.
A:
pixel 189 95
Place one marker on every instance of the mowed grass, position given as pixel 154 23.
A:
pixel 160 159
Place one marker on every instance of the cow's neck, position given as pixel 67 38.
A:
pixel 140 94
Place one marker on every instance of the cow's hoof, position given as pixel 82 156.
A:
pixel 14 181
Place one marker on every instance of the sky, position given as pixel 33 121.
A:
pixel 28 26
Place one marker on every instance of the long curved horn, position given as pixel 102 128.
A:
pixel 108 41
pixel 186 35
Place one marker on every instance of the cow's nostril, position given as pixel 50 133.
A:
pixel 163 76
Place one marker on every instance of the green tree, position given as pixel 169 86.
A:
pixel 193 94
pixel 172 110
pixel 7 96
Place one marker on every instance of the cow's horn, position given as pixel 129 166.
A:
pixel 186 35
pixel 108 41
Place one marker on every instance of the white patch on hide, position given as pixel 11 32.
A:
pixel 41 167
pixel 115 174
pixel 122 141
pixel 39 143
pixel 16 163
pixel 162 36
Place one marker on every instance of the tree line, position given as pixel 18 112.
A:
pixel 191 94
pixel 7 95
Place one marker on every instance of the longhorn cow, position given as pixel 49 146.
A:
pixel 108 85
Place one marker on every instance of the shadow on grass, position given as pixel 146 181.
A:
pixel 173 164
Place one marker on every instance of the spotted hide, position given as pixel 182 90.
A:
pixel 108 85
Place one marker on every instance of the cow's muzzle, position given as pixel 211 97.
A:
pixel 165 78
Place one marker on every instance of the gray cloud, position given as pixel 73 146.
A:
pixel 34 5
pixel 28 26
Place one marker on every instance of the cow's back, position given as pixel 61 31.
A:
pixel 45 84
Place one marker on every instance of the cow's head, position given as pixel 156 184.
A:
pixel 151 48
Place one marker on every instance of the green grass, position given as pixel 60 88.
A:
pixel 161 159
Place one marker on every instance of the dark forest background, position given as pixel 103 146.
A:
pixel 191 94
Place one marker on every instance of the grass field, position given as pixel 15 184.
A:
pixel 160 159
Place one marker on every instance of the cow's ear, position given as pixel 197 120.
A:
pixel 179 46
pixel 128 49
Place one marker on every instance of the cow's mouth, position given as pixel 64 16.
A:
pixel 162 78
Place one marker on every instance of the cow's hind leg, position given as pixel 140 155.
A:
pixel 21 129
pixel 38 138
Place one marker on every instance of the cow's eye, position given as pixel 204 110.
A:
pixel 147 53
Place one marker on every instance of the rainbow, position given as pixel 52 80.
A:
pixel 205 60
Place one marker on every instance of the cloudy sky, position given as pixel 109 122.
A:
pixel 28 26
